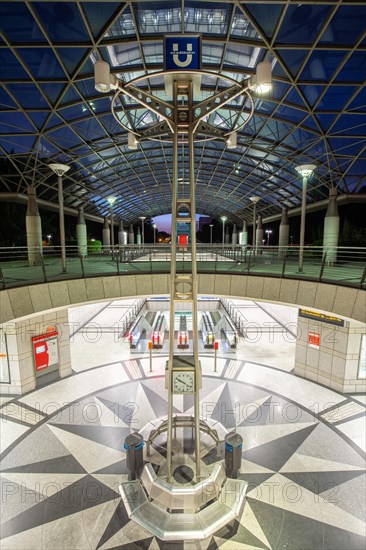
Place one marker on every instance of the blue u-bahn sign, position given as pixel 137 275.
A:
pixel 182 52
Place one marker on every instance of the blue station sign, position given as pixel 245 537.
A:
pixel 182 52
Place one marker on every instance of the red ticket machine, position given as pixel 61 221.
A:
pixel 45 352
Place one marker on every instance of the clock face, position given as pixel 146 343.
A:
pixel 183 382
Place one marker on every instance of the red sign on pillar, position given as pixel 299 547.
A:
pixel 216 346
pixel 314 340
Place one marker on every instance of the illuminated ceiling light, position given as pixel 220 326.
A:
pixel 132 142
pixel 305 170
pixel 111 200
pixel 232 140
pixel 104 81
pixel 262 82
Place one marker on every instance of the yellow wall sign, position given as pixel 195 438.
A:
pixel 322 317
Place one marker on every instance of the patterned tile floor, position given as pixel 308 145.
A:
pixel 62 457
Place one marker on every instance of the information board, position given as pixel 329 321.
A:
pixel 322 317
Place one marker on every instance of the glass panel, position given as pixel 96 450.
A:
pixel 10 68
pixel 98 14
pixel 322 65
pixel 18 23
pixel 14 122
pixel 346 26
pixel 52 90
pixel 293 59
pixel 42 62
pixel 242 28
pixel 165 19
pixel 312 93
pixel 336 97
pixel 266 16
pixel 354 70
pixel 38 118
pixel 62 21
pixel 71 57
pixel 301 23
pixel 211 20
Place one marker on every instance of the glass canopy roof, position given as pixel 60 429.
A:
pixel 51 112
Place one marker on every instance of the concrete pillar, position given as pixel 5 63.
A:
pixel 234 237
pixel 284 233
pixel 33 229
pixel 331 228
pixel 131 236
pixel 120 234
pixel 23 374
pixel 244 235
pixel 330 354
pixel 138 236
pixel 106 236
pixel 227 235
pixel 259 234
pixel 81 235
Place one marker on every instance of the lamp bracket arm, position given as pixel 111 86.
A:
pixel 208 130
pixel 154 104
pixel 160 129
pixel 216 101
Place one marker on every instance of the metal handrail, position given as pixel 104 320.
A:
pixel 347 266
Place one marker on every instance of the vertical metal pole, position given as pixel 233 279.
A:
pixel 172 294
pixel 254 226
pixel 223 233
pixel 302 223
pixel 150 359
pixel 194 302
pixel 62 223
pixel 112 232
pixel 215 361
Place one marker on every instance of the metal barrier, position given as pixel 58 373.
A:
pixel 345 266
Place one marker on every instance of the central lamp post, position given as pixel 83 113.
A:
pixel 111 201
pixel 305 170
pixel 182 119
pixel 154 227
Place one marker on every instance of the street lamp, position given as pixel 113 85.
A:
pixel 143 218
pixel 268 233
pixel 49 237
pixel 223 219
pixel 211 226
pixel 154 226
pixel 254 201
pixel 60 170
pixel 111 201
pixel 305 170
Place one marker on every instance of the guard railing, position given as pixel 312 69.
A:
pixel 21 266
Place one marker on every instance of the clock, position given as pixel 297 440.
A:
pixel 183 382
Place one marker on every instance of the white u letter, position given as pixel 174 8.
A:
pixel 177 61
